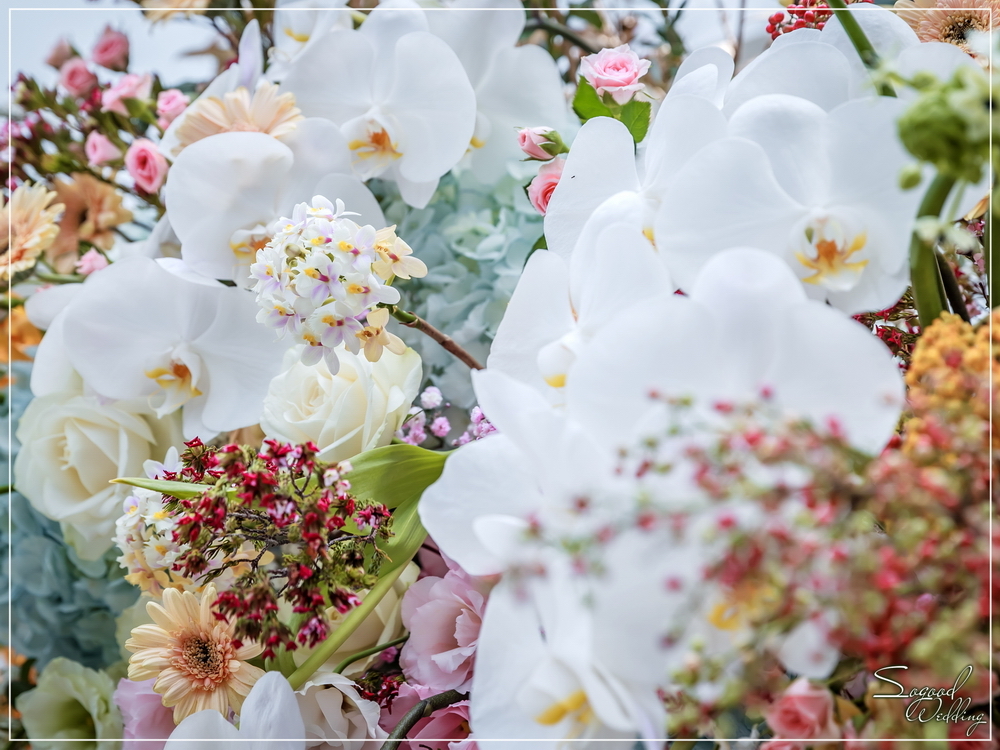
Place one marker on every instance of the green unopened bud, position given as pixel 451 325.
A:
pixel 910 177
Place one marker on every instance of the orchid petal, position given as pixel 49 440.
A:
pixel 705 73
pixel 340 97
pixel 683 126
pixel 600 164
pixel 318 149
pixel 356 196
pixel 221 184
pixel 271 712
pixel 251 56
pixel 478 30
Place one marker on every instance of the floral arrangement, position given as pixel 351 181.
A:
pixel 478 372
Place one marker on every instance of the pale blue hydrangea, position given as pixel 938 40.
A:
pixel 475 240
pixel 60 605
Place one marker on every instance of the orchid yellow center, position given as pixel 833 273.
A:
pixel 574 706
pixel 300 38
pixel 743 604
pixel 378 144
pixel 827 248
pixel 177 385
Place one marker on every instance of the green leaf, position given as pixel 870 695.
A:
pixel 408 535
pixel 182 490
pixel 394 474
pixel 587 104
pixel 635 117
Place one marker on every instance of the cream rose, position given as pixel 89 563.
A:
pixel 333 711
pixel 384 624
pixel 72 446
pixel 358 409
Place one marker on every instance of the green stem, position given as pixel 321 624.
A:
pixel 410 320
pixel 860 41
pixel 6 489
pixel 951 288
pixel 420 711
pixel 924 273
pixel 557 29
pixel 339 669
pixel 59 278
pixel 347 627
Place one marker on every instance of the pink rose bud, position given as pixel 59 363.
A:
pixel 60 54
pixel 803 712
pixel 146 164
pixel 616 71
pixel 531 139
pixel 111 50
pixel 169 105
pixel 100 150
pixel 540 189
pixel 76 78
pixel 91 261
pixel 131 86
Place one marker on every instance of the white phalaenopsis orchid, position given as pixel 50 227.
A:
pixel 269 720
pixel 401 98
pixel 179 342
pixel 558 306
pixel 225 193
pixel 516 86
pixel 537 675
pixel 297 25
pixel 798 182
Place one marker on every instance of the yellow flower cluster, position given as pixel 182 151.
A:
pixel 949 387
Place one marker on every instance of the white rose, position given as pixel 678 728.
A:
pixel 332 710
pixel 72 446
pixel 358 409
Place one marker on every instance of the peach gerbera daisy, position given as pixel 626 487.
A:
pixel 191 655
pixel 29 228
pixel 267 111
pixel 949 20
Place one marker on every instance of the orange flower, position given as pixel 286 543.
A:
pixel 192 656
pixel 22 334
pixel 93 210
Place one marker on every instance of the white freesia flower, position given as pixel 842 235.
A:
pixel 797 182
pixel 336 716
pixel 516 86
pixel 269 720
pixel 358 409
pixel 72 446
pixel 402 99
pixel 174 341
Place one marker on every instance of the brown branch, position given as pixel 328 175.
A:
pixel 447 343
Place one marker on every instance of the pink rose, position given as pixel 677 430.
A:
pixel 443 616
pixel 111 50
pixel 145 716
pixel 100 150
pixel 146 164
pixel 804 712
pixel 449 726
pixel 170 104
pixel 90 262
pixel 131 86
pixel 616 71
pixel 531 139
pixel 540 189
pixel 60 54
pixel 76 78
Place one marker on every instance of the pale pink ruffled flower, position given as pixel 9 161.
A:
pixel 446 729
pixel 803 712
pixel 146 164
pixel 145 716
pixel 616 71
pixel 100 150
pixel 90 262
pixel 131 86
pixel 76 77
pixel 541 188
pixel 431 398
pixel 111 50
pixel 440 427
pixel 443 616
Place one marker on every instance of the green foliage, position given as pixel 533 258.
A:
pixel 587 104
pixel 635 116
pixel 395 474
pixel 180 490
